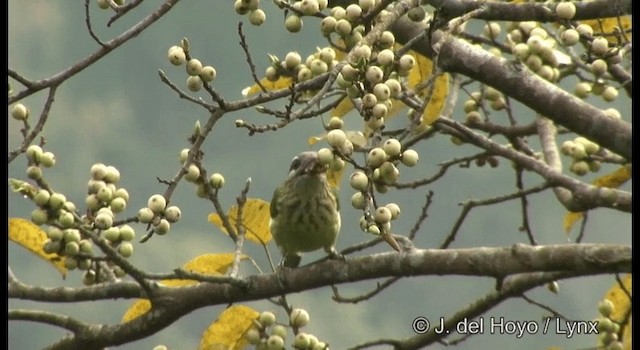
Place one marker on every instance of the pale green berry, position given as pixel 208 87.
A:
pixel 327 55
pixel 394 87
pixel 349 73
pixel 92 202
pixel 389 172
pixel 72 235
pixel 335 123
pixel 521 51
pixel 492 94
pixel 565 10
pixel 86 247
pixel 491 30
pixel 84 264
pixel 112 175
pixel 252 336
pixel 585 29
pixel 125 249
pixel 318 67
pixel 369 100
pixel 599 46
pixel 89 278
pixel 545 72
pixel 47 159
pixel 322 4
pixel 304 74
pixel 105 210
pixel 93 186
pixel 41 197
pixel 208 74
pixel 328 25
pixel 118 205
pixel 539 31
pixel 267 318
pixel 19 112
pixel 177 56
pixel 387 39
pixel 613 113
pixel 579 168
pixel 337 164
pixel 374 75
pixel 473 118
pixel 145 215
pixel 121 193
pixel 216 180
pixel 353 12
pixel 240 7
pixel 353 38
pixel 359 181
pixel 406 62
pixel 610 93
pixel 416 14
pixel 366 5
pixel 70 263
pixel 66 219
pixel 279 330
pixel 376 157
pixel 34 152
pixel 363 52
pixel 582 89
pixel 594 166
pixel 515 36
pixel 606 307
pixel 71 249
pixel 183 156
pixel 98 171
pixel 343 27
pixel 374 229
pixel 301 341
pixel 325 156
pixel 589 146
pixel 570 37
pixel 194 66
pixel 379 111
pixel 320 346
pixel 293 24
pixel 157 203
pixel 111 234
pixel 409 158
pixel 376 123
pixel 534 62
pixel 194 83
pixel 51 247
pixel 104 194
pixel 193 173
pixel 126 233
pixel 598 67
pixel 336 138
pixel 172 214
pixel 103 221
pixel 358 201
pixel 309 7
pixel 271 74
pixel 392 147
pixel 103 4
pixel 257 17
pixel 385 57
pixel 299 318
pixel 394 209
pixel 382 91
pixel 251 4
pixel 346 148
pixel 57 200
pixel 292 60
pixel 364 224
pixel 54 233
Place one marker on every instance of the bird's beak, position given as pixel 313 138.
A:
pixel 310 165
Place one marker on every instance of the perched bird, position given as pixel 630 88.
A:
pixel 305 211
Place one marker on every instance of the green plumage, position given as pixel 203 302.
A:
pixel 304 211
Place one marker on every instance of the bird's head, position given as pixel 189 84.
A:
pixel 307 164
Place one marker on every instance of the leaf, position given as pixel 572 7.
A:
pixel 31 237
pixel 255 217
pixel 227 332
pixel 437 100
pixel 206 264
pixel 612 180
pixel 22 187
pixel 334 177
pixel 345 106
pixel 607 25
pixel 281 83
pixel 622 308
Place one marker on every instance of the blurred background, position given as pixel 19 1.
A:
pixel 118 112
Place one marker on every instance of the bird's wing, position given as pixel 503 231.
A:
pixel 273 207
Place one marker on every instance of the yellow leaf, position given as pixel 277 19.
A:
pixel 622 308
pixel 227 332
pixel 281 83
pixel 345 106
pixel 607 25
pixel 138 308
pixel 334 177
pixel 612 180
pixel 315 139
pixel 32 238
pixel 436 103
pixel 255 217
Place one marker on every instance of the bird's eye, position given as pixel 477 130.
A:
pixel 295 163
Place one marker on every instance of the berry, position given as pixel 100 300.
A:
pixel 293 24
pixel 267 318
pixel 292 60
pixel 157 203
pixel 111 234
pixel 409 158
pixel 394 87
pixel 257 17
pixel 353 12
pixel 382 91
pixel 336 138
pixel 34 152
pixel 382 215
pixel 57 200
pixel 126 233
pixel 103 221
pixel 394 209
pixel 335 123
pixel 177 56
pixel 172 214
pixel 193 173
pixel 145 215
pixel 299 318
pixel 19 112
pixel 112 175
pixel 208 74
pixel 599 46
pixel 416 14
pixel 162 227
pixel 125 249
pixel 359 181
pixel 41 197
pixel 358 201
pixel 376 157
pixel 606 307
pixel 392 147
pixel 216 180
pixel 194 83
pixel 325 156
pixel 406 62
pixel 565 10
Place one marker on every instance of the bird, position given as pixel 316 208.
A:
pixel 305 211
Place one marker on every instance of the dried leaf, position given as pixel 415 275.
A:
pixel 255 217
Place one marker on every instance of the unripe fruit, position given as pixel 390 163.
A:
pixel 47 159
pixel 491 30
pixel 599 46
pixel 318 67
pixel 56 201
pixel 583 89
pixel 98 171
pixel 358 201
pixel 392 147
pixel 382 215
pixel 369 100
pixel 598 67
pixel 267 318
pixel 208 74
pixel 103 221
pixel 66 219
pixel 145 215
pixel 565 10
pixel 184 155
pixel 335 123
pixel 34 172
pixel 299 318
pixel 39 216
pixel 177 56
pixel 579 168
pixel 194 83
pixel 70 263
pixel 252 336
pixel 127 233
pixel 309 7
pixel 606 307
pixel 325 156
pixel 292 60
pixel 293 24
pixel 409 158
pixel 320 346
pixel 585 29
pixel 610 93
pixel 193 173
pixel 353 12
pixel 362 52
pixel 194 66
pixel 394 209
pixel 240 7
pixel 328 25
pixel 51 247
pixel 382 92
pixel 279 330
pixel 389 172
pixel 343 27
pixel 71 235
pixel 19 112
pixel 376 157
pixel 275 342
pixel 534 62
pixel 387 39
pixel 379 111
pixel 104 194
pixel 589 146
pixel 374 75
pixel 125 249
pixel 71 249
pixel 570 37
pixel 157 203
pixel 301 341
pixel 34 152
pixel 359 181
pixel 336 138
pixel 41 197
pixel 111 234
pixel 162 227
pixel 366 5
pixel 271 74
pixel 385 57
pixel 394 87
pixel 54 233
pixel 118 205
pixel 257 17
pixel 216 180
pixel 406 62
pixel 172 214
